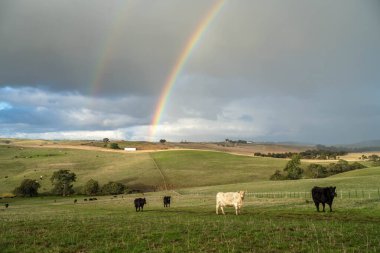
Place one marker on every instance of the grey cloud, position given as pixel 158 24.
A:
pixel 64 45
pixel 267 70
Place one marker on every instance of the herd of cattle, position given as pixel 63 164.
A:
pixel 321 195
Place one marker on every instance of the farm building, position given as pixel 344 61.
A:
pixel 129 149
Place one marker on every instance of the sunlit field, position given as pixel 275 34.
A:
pixel 277 215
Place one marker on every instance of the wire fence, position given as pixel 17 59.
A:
pixel 343 194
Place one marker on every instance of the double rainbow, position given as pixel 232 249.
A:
pixel 181 61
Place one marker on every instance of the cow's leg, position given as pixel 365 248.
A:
pixel 330 206
pixel 317 205
pixel 323 204
pixel 222 210
pixel 236 209
pixel 217 209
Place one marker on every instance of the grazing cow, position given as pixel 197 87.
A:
pixel 234 199
pixel 75 201
pixel 323 195
pixel 139 204
pixel 6 205
pixel 167 201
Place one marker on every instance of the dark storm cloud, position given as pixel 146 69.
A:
pixel 64 45
pixel 292 47
pixel 296 70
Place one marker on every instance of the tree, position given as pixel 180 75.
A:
pixel 62 180
pixel 105 141
pixel 162 141
pixel 28 187
pixel 113 188
pixel 293 168
pixel 91 187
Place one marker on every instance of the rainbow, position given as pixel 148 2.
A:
pixel 180 63
pixel 106 54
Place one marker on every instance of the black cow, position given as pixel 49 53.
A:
pixel 167 201
pixel 6 205
pixel 139 204
pixel 323 195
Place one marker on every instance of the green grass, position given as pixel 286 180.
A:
pixel 190 225
pixel 136 170
pixel 16 164
pixel 269 223
pixel 203 168
pixel 364 179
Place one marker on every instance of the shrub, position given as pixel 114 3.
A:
pixel 91 187
pixel 28 188
pixel 277 176
pixel 113 188
pixel 317 170
pixel 114 146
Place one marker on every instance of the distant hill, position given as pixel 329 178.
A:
pixel 371 145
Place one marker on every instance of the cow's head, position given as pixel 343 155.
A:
pixel 332 191
pixel 242 193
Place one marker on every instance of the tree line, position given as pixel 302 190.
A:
pixel 294 171
pixel 62 181
pixel 319 153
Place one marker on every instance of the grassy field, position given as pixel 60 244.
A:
pixel 136 170
pixel 204 168
pixel 189 225
pixel 360 180
pixel 278 216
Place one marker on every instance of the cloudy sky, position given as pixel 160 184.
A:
pixel 265 70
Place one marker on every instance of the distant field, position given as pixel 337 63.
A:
pixel 245 149
pixel 201 168
pixel 364 179
pixel 136 170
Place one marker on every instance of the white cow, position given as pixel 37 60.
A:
pixel 234 199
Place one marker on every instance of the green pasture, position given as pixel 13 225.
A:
pixel 367 180
pixel 203 168
pixel 17 163
pixel 136 170
pixel 278 216
pixel 190 225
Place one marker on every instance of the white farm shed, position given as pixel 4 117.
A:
pixel 129 149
